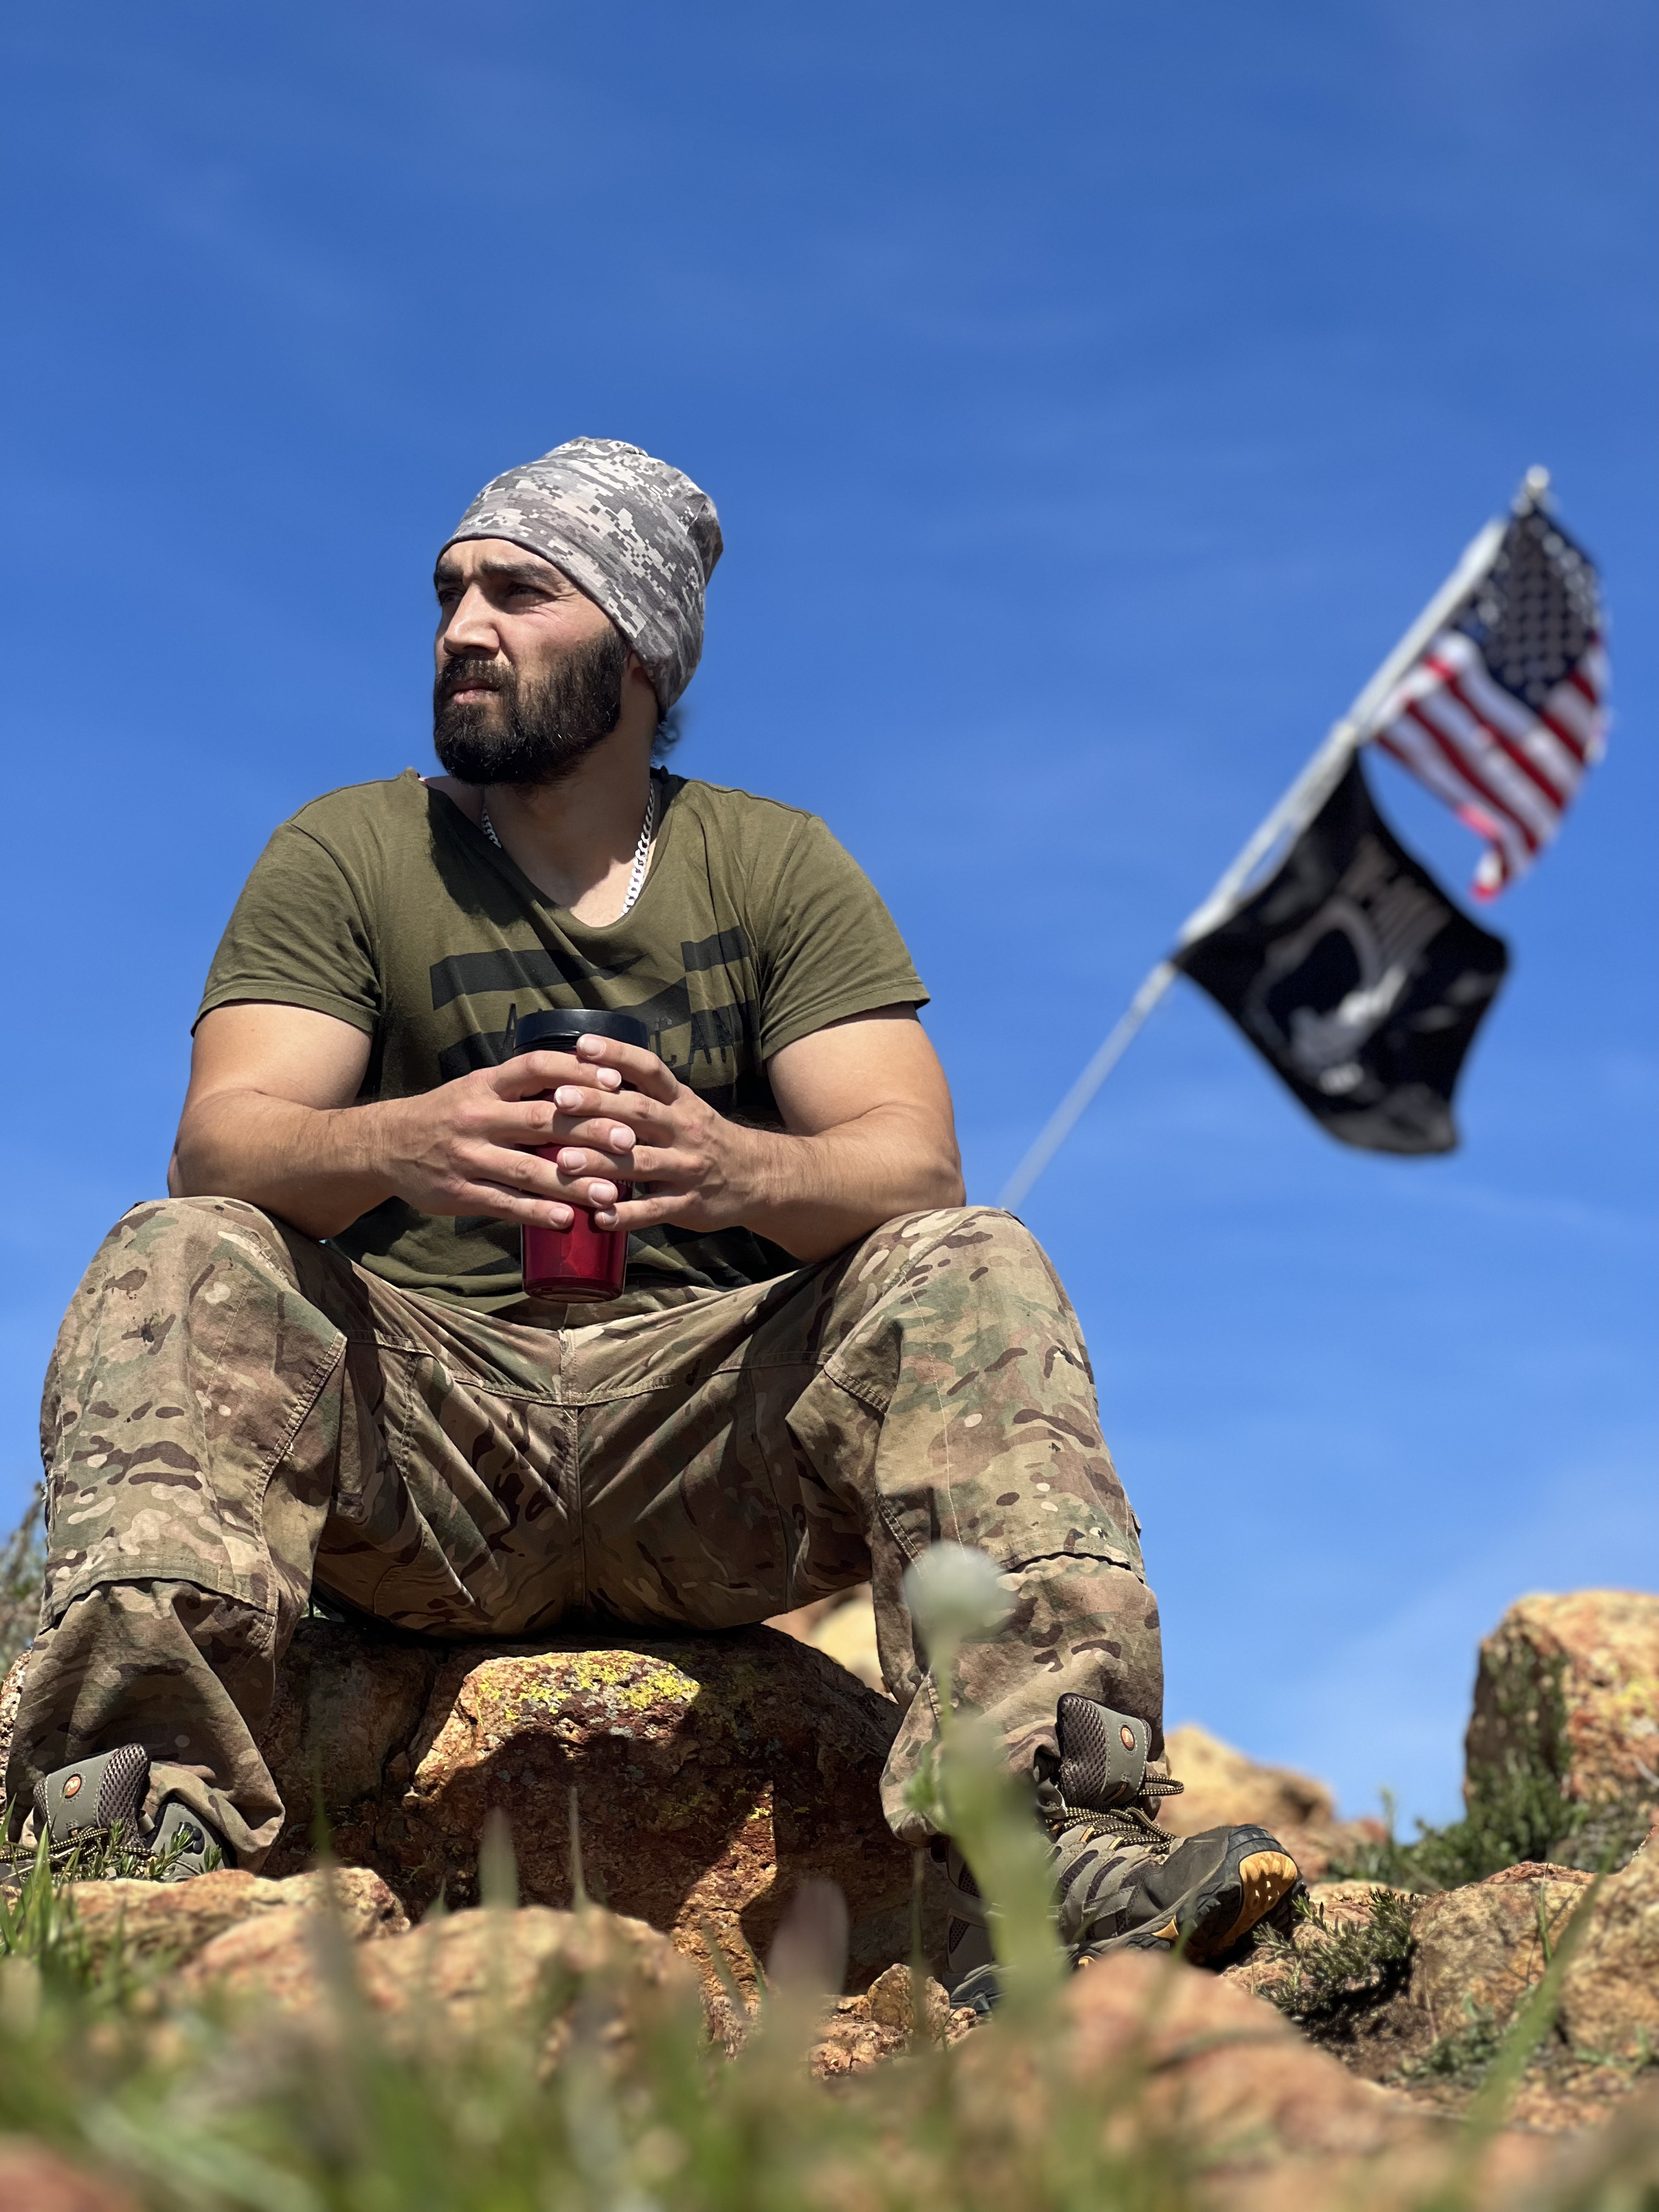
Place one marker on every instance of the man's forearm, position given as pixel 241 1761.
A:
pixel 320 1168
pixel 816 1194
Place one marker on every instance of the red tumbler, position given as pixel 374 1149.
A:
pixel 581 1265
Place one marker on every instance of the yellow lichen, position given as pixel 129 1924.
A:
pixel 624 1679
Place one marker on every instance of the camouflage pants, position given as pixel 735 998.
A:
pixel 235 1414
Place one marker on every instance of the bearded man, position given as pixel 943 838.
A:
pixel 315 1367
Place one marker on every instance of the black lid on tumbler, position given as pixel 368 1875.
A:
pixel 561 1026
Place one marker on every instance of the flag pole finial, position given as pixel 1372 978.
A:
pixel 1534 487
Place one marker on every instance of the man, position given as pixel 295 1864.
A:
pixel 314 1365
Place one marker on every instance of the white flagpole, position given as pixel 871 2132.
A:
pixel 1287 820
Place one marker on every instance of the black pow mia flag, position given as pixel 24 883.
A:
pixel 1356 979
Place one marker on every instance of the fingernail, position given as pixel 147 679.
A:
pixel 568 1098
pixel 620 1138
pixel 611 1078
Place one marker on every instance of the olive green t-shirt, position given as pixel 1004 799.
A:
pixel 383 906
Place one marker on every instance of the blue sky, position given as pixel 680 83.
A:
pixel 1090 395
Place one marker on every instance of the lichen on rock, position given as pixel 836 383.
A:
pixel 712 1776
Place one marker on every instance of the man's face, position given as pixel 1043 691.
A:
pixel 528 671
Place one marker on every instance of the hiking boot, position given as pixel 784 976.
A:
pixel 1120 1881
pixel 100 1800
pixel 185 1844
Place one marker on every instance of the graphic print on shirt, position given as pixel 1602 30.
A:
pixel 700 1042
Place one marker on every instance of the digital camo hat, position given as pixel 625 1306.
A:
pixel 638 536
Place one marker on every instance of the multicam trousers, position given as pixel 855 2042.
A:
pixel 235 1414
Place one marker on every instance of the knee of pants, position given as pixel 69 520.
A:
pixel 1006 1264
pixel 998 1233
pixel 177 1224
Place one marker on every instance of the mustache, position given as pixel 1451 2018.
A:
pixel 472 676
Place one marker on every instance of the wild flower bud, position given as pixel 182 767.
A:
pixel 954 1593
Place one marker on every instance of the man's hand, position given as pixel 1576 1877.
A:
pixel 629 1118
pixel 473 1145
pixel 867 1134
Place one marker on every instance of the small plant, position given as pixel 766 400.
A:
pixel 115 1854
pixel 1466 2054
pixel 1525 1817
pixel 38 1924
pixel 965 1788
pixel 1334 1970
pixel 1516 1810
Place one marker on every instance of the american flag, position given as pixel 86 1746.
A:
pixel 1506 708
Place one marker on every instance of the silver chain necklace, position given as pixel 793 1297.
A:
pixel 641 851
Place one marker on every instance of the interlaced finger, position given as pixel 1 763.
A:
pixel 578 1103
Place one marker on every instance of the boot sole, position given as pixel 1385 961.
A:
pixel 1264 1878
pixel 1261 1879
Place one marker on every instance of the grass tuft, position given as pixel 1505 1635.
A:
pixel 1466 2054
pixel 1330 1969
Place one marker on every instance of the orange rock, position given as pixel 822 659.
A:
pixel 36 2179
pixel 1570 1685
pixel 457 1977
pixel 174 1920
pixel 1610 1992
pixel 866 2031
pixel 714 1775
pixel 843 1626
pixel 1183 2066
pixel 1486 1946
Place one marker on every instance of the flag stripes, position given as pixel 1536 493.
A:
pixel 1506 772
pixel 1508 750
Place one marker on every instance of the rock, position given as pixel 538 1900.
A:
pixel 11 1691
pixel 459 1975
pixel 1569 1687
pixel 1428 2023
pixel 844 1626
pixel 1615 2165
pixel 1483 1948
pixel 349 1704
pixel 36 2179
pixel 1610 1992
pixel 713 1774
pixel 866 2031
pixel 1225 1790
pixel 173 1920
pixel 1179 2063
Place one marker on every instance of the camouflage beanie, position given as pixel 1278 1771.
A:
pixel 635 535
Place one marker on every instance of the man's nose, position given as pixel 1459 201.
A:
pixel 469 626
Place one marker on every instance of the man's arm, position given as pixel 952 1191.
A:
pixel 871 1134
pixel 270 1118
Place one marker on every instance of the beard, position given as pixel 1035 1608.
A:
pixel 529 732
